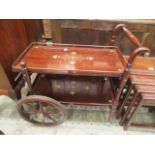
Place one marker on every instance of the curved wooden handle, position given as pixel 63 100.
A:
pixel 137 51
pixel 129 34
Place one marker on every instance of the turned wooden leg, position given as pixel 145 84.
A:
pixel 128 109
pixel 26 75
pixel 124 102
pixel 18 88
pixel 130 120
pixel 115 103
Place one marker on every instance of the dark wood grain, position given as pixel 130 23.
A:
pixel 75 90
pixel 72 59
pixel 143 66
pixel 15 36
pixel 98 32
pixel 143 79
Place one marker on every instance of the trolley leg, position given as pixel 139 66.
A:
pixel 118 94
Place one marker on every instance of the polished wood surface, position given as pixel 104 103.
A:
pixel 128 33
pixel 72 59
pixel 15 37
pixel 143 79
pixel 82 74
pixel 74 90
pixel 144 95
pixel 145 88
pixel 143 66
pixel 149 96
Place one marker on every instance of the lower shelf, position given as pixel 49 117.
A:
pixel 75 90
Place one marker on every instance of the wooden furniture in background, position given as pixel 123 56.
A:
pixel 143 87
pixel 15 36
pixel 47 28
pixel 98 32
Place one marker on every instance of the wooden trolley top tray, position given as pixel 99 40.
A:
pixel 72 59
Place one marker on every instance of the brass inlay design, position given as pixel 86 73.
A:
pixel 73 82
pixel 151 68
pixel 109 101
pixel 87 88
pixel 73 53
pixel 105 78
pixel 120 70
pixel 72 92
pixel 55 56
pixel 58 86
pixel 65 49
pixel 90 58
pixel 112 50
pixel 72 57
pixel 72 62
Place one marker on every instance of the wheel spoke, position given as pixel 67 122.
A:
pixel 50 113
pixel 51 118
pixel 30 105
pixel 32 111
pixel 33 116
pixel 42 111
pixel 53 110
pixel 47 115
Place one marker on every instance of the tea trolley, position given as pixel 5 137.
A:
pixel 72 74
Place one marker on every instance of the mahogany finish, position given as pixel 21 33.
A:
pixel 130 35
pixel 145 83
pixel 70 59
pixel 79 72
pixel 76 74
pixel 140 50
pixel 142 79
pixel 77 90
pixel 143 96
pixel 71 74
pixel 144 66
pixel 16 35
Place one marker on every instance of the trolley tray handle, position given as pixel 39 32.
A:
pixel 129 34
pixel 138 51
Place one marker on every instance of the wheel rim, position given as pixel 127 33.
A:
pixel 42 110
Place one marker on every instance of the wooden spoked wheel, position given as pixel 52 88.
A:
pixel 41 110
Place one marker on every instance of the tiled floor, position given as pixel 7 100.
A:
pixel 80 121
